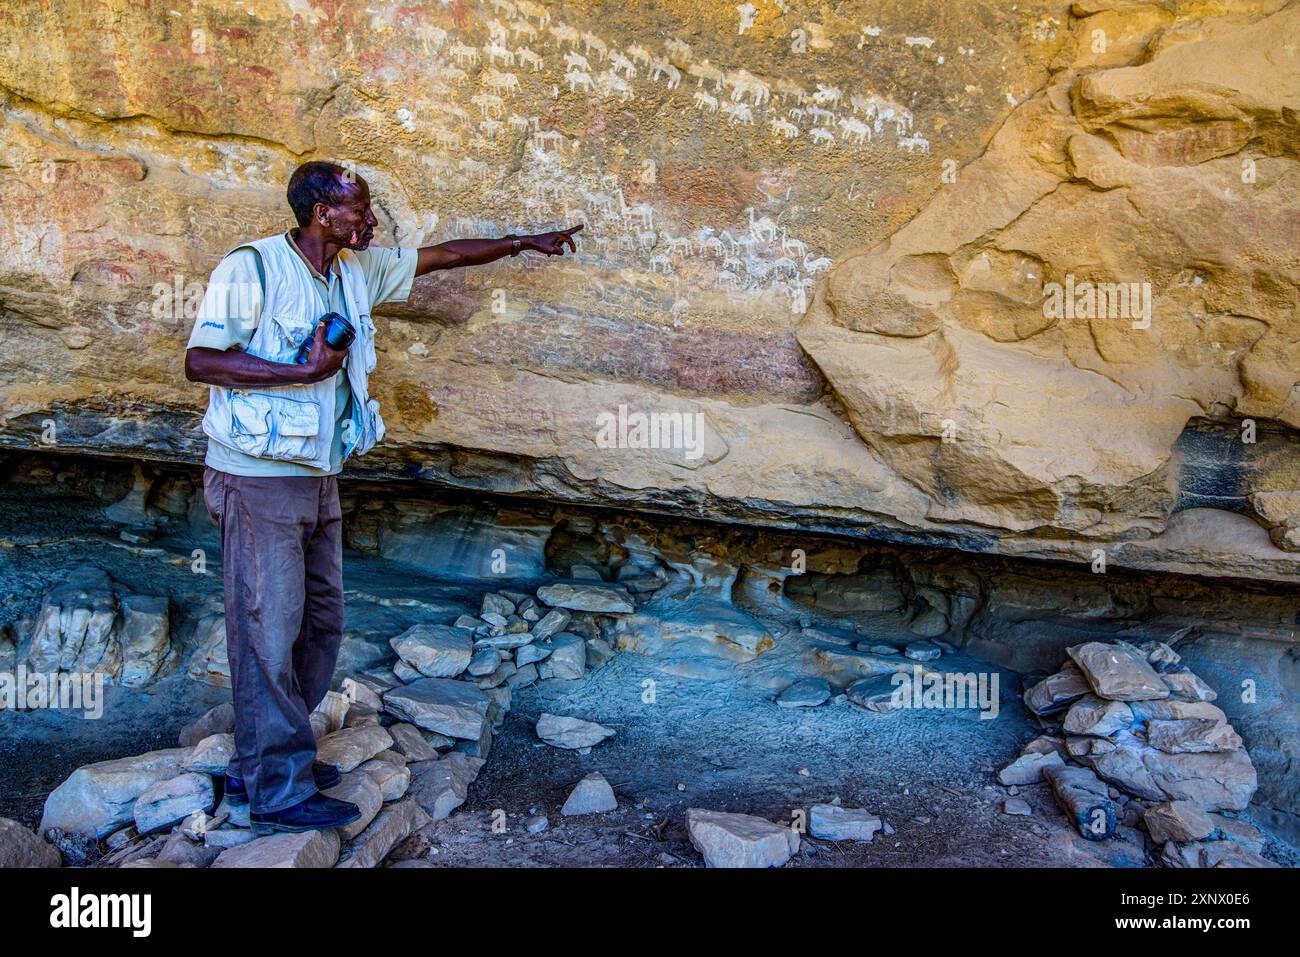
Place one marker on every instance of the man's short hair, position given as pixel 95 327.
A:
pixel 317 182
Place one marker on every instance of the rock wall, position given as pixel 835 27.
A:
pixel 831 233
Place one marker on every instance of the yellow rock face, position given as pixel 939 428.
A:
pixel 831 236
pixel 1172 182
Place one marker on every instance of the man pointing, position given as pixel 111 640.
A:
pixel 280 425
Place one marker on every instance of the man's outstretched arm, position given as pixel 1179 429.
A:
pixel 477 252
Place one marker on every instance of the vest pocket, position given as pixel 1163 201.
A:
pixel 250 422
pixel 275 426
pixel 296 425
pixel 289 330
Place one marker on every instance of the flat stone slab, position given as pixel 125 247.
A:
pixel 437 651
pixel 212 755
pixel 1175 710
pixel 552 623
pixel 357 788
pixel 394 824
pixel 923 651
pixel 411 743
pixel 454 708
pixel 392 779
pixel 1057 692
pixel 531 654
pixel 808 693
pixel 497 605
pixel 830 822
pixel 841 666
pixel 1028 768
pixel 20 847
pixel 349 748
pixel 607 599
pixel 441 786
pixel 182 850
pixel 739 840
pixel 169 802
pixel 305 850
pixel 1097 716
pixel 1118 671
pixel 1186 686
pixel 484 661
pixel 361 715
pixel 99 798
pixel 591 795
pixel 498 677
pixel 1192 735
pixel 567 658
pixel 219 720
pixel 1214 781
pixel 1211 854
pixel 878 694
pixel 571 733
pixel 224 838
pixel 1085 799
pixel 1179 821
pixel 506 641
pixel 599 651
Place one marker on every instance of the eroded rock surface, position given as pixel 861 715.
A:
pixel 1011 415
pixel 85 627
pixel 830 257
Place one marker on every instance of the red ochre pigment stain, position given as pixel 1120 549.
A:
pixel 771 367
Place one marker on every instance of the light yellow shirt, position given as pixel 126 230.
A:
pixel 388 274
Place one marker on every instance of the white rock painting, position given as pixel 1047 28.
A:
pixel 518 56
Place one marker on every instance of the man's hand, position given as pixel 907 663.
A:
pixel 322 361
pixel 552 244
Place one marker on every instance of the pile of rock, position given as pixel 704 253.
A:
pixel 457 680
pixel 408 740
pixel 165 808
pixel 1132 718
pixel 864 669
pixel 516 639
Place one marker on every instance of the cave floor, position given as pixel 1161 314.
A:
pixel 931 779
pixel 715 740
pixel 722 744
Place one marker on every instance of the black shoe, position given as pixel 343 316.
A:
pixel 325 775
pixel 317 813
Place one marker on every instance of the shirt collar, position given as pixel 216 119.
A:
pixel 334 266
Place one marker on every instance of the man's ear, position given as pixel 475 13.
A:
pixel 321 212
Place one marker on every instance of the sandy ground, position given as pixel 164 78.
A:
pixel 717 742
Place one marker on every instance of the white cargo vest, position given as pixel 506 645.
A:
pixel 295 423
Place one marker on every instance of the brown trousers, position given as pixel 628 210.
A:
pixel 282 558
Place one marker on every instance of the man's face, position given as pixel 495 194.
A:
pixel 351 223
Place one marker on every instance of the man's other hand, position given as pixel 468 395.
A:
pixel 552 244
